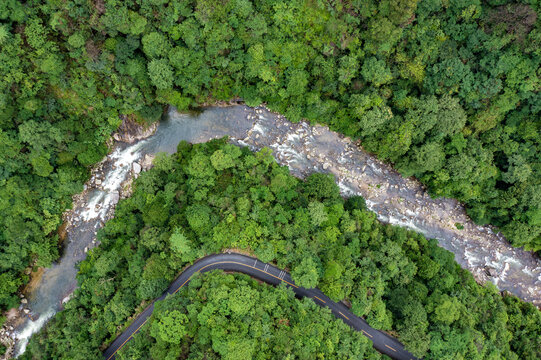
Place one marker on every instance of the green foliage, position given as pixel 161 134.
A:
pixel 182 246
pixel 306 274
pixel 396 279
pixel 245 311
pixel 8 286
pixel 41 166
pixel 447 311
pixel 318 214
pixel 376 72
pixel 76 40
pixel 170 327
pixel 160 74
pixel 155 45
pixel 224 159
pixel 163 162
pixel 198 216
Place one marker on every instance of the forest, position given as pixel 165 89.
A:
pixel 210 197
pixel 241 319
pixel 446 90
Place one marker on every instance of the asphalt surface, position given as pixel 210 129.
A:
pixel 382 342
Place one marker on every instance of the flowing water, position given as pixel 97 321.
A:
pixel 304 149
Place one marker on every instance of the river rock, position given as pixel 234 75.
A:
pixel 26 311
pixel 492 272
pixel 98 182
pixel 136 168
pixel 146 163
pixel 66 298
pixel 130 131
pixel 24 301
pixel 115 196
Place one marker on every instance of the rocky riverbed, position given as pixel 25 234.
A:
pixel 401 201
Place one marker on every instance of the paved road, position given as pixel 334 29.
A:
pixel 240 263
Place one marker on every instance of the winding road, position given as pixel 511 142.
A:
pixel 382 342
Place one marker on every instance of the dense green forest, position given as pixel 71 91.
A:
pixel 242 320
pixel 215 196
pixel 447 90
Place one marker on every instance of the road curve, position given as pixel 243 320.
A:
pixel 382 342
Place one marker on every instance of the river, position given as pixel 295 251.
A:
pixel 305 149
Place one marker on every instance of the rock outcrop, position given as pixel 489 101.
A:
pixel 130 131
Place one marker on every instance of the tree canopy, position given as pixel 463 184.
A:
pixel 233 317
